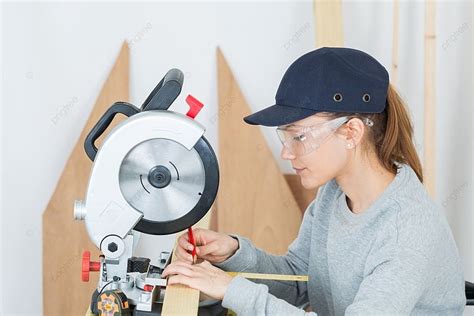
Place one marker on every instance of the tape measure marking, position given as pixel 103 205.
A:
pixel 263 276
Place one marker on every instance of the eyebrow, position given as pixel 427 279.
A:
pixel 296 125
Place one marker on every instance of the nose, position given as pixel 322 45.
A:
pixel 286 154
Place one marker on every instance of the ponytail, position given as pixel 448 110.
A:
pixel 397 143
pixel 392 134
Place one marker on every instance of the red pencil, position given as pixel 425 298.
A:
pixel 191 240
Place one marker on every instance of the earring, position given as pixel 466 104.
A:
pixel 349 145
pixel 368 122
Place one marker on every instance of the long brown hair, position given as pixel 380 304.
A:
pixel 392 134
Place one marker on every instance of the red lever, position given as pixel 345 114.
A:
pixel 88 265
pixel 194 106
pixel 148 288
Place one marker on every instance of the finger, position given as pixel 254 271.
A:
pixel 184 236
pixel 207 249
pixel 185 244
pixel 199 234
pixel 183 255
pixel 179 268
pixel 180 279
pixel 206 263
pixel 204 266
pixel 175 263
pixel 199 269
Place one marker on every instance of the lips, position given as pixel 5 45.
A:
pixel 299 170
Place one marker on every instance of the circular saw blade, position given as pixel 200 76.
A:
pixel 172 199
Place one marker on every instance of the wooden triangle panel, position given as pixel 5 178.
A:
pixel 254 198
pixel 64 239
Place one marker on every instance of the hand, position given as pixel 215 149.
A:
pixel 211 246
pixel 203 276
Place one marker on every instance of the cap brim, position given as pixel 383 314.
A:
pixel 277 115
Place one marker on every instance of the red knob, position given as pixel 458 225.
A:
pixel 88 265
pixel 194 106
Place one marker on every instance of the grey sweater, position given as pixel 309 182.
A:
pixel 398 257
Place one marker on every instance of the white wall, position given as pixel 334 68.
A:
pixel 55 58
pixel 454 125
pixel 1 166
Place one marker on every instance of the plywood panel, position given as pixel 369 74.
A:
pixel 63 238
pixel 254 198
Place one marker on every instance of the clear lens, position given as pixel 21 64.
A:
pixel 301 140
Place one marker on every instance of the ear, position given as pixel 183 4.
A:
pixel 353 131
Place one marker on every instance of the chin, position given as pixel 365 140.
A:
pixel 309 184
pixel 314 182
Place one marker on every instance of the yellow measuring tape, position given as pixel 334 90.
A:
pixel 278 277
pixel 264 276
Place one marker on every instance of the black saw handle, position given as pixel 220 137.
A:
pixel 104 122
pixel 165 92
pixel 160 98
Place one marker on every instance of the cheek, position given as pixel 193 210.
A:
pixel 323 164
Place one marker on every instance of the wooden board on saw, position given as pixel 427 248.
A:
pixel 63 238
pixel 180 299
pixel 254 198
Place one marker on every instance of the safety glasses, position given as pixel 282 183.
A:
pixel 301 140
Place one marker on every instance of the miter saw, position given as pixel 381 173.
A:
pixel 155 173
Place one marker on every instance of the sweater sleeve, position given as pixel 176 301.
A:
pixel 245 297
pixel 264 293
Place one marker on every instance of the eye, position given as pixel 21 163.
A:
pixel 299 138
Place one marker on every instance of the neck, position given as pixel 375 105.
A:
pixel 363 181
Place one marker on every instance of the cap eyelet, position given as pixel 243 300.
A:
pixel 337 97
pixel 366 97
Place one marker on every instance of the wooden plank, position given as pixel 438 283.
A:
pixel 180 299
pixel 430 98
pixel 328 23
pixel 64 239
pixel 395 41
pixel 254 198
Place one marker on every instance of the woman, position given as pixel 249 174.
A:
pixel 373 241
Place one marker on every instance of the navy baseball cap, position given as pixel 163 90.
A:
pixel 328 79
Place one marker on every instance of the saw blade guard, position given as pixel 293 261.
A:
pixel 155 172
